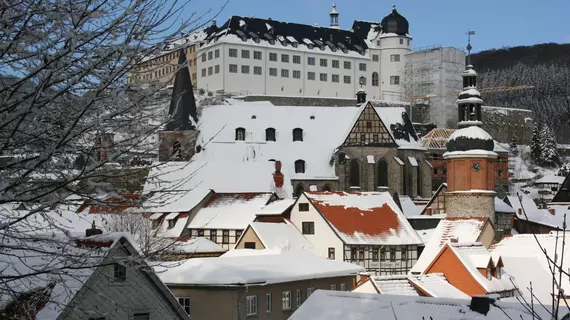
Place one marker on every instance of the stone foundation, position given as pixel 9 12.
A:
pixel 470 204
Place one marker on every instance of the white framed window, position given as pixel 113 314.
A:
pixel 210 55
pixel 311 61
pixel 204 57
pixel 362 66
pixel 333 287
pixel 375 58
pixel 272 56
pixel 204 71
pixel 336 64
pixel 394 58
pixel 257 55
pixel 210 71
pixel 401 41
pixel 119 272
pixel 323 62
pixel 284 73
pixel 268 303
pixel 310 292
pixel 250 305
pixel 233 53
pixel 297 59
pixel 245 69
pixel 296 74
pixel 273 72
pixel 233 68
pixel 335 78
pixel 343 287
pixel 245 54
pixel 257 71
pixel 346 79
pixel 285 58
pixel 217 53
pixel 347 65
pixel 185 303
pixel 310 75
pixel 217 69
pixel 323 76
pixel 286 300
pixel 395 80
pixel 298 298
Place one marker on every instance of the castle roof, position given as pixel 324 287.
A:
pixel 182 103
pixel 395 23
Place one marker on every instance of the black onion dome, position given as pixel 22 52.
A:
pixel 470 138
pixel 395 23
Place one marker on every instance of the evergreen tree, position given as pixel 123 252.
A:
pixel 549 154
pixel 513 148
pixel 536 143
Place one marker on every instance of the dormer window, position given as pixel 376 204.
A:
pixel 171 223
pixel 489 274
pixel 240 134
pixel 300 166
pixel 297 134
pixel 270 134
pixel 498 273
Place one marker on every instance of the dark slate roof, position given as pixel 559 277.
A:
pixel 362 28
pixel 270 30
pixel 563 194
pixel 182 104
pixel 395 23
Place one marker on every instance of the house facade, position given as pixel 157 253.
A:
pixel 365 229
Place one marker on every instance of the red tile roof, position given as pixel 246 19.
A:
pixel 228 198
pixel 368 213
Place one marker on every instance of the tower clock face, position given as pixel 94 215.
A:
pixel 476 166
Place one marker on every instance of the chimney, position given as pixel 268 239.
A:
pixel 93 231
pixel 362 277
pixel 278 177
pixel 454 240
pixel 428 212
pixel 519 211
pixel 481 304
pixel 360 96
pixel 552 211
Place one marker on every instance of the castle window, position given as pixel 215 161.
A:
pixel 240 134
pixel 354 169
pixel 375 79
pixel 394 58
pixel 300 166
pixel 297 134
pixel 270 134
pixel 176 150
pixel 382 173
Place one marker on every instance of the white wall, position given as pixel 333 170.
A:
pixel 324 237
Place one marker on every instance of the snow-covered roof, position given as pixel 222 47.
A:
pixel 281 235
pixel 326 305
pixel 320 139
pixel 293 265
pixel 475 256
pixel 552 217
pixel 436 285
pixel 55 264
pixel 364 217
pixel 550 179
pixel 165 231
pixel 438 138
pixel 229 211
pixel 394 285
pixel 409 208
pixel 501 206
pixel 196 245
pixel 276 207
pixel 472 132
pixel 527 246
pixel 463 229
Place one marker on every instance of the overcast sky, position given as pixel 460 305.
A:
pixel 497 23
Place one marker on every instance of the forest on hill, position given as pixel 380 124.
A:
pixel 545 67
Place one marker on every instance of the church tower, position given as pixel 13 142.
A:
pixel 470 157
pixel 334 17
pixel 178 138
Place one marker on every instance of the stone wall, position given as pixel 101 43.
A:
pixel 506 124
pixel 471 204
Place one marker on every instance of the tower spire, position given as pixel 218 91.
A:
pixel 469 47
pixel 334 16
pixel 182 103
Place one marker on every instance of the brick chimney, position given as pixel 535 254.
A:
pixel 278 177
pixel 454 240
pixel 93 231
pixel 428 212
pixel 552 211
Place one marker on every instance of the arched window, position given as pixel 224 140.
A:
pixel 354 169
pixel 375 79
pixel 176 150
pixel 299 190
pixel 300 166
pixel 297 134
pixel 270 134
pixel 240 134
pixel 382 173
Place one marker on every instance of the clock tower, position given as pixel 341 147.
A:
pixel 470 157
